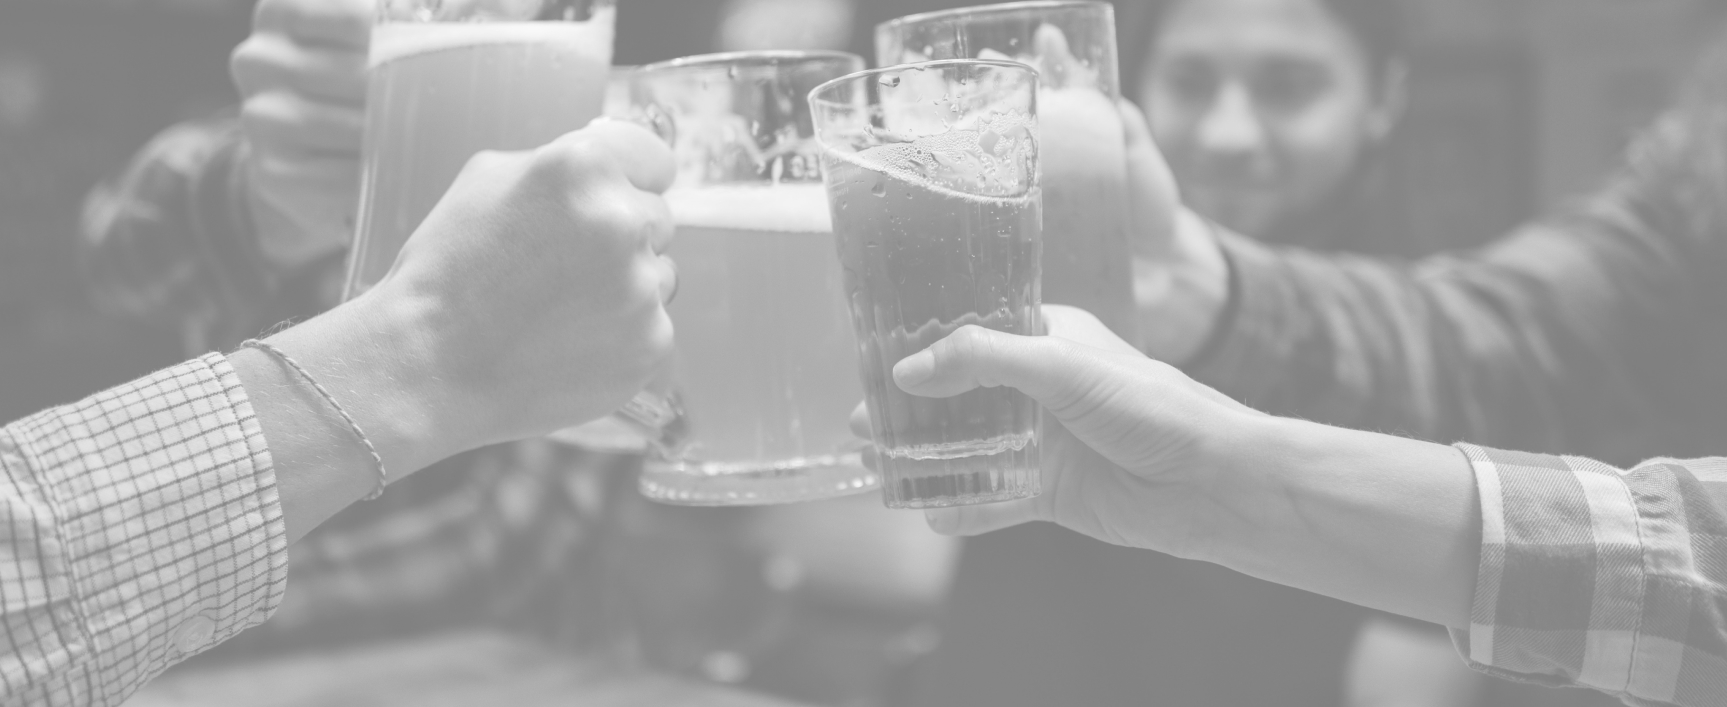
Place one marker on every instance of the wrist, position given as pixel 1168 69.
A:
pixel 375 357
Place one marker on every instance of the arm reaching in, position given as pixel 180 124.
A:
pixel 150 522
pixel 1483 541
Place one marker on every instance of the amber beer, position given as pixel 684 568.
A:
pixel 441 92
pixel 766 368
pixel 766 365
pixel 1088 240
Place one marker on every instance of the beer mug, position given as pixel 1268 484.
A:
pixel 452 78
pixel 765 365
pixel 1087 257
pixel 932 170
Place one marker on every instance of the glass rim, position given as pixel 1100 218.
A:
pixel 919 66
pixel 769 57
pixel 989 10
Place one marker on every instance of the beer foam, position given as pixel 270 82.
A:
pixel 890 166
pixel 397 40
pixel 786 208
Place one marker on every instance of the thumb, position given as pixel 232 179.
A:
pixel 975 357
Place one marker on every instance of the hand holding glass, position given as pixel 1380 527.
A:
pixel 932 176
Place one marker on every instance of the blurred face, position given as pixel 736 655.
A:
pixel 1261 106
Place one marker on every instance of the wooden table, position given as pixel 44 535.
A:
pixel 444 671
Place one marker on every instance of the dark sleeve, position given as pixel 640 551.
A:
pixel 1547 339
pixel 169 240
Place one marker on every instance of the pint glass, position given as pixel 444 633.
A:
pixel 932 176
pixel 765 365
pixel 1087 236
pixel 451 79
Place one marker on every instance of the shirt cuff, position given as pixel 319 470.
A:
pixel 1562 595
pixel 169 517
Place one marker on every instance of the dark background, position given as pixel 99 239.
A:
pixel 1516 103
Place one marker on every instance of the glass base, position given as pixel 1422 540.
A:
pixel 1006 472
pixel 685 483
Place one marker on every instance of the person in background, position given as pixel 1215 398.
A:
pixel 1276 118
pixel 151 522
pixel 228 226
pixel 1590 331
pixel 1273 114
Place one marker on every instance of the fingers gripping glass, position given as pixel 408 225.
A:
pixel 765 364
pixel 450 79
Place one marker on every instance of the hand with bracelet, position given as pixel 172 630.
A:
pixel 532 298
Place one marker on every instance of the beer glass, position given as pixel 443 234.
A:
pixel 932 177
pixel 1087 250
pixel 450 79
pixel 765 366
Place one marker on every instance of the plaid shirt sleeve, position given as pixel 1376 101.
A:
pixel 1603 578
pixel 138 527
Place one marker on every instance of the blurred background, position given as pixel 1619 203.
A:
pixel 1512 106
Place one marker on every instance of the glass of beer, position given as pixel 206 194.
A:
pixel 1088 248
pixel 932 177
pixel 451 79
pixel 765 366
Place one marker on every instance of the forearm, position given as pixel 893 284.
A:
pixel 1381 521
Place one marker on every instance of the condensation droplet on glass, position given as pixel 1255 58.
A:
pixel 880 188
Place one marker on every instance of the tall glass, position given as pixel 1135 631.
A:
pixel 1088 236
pixel 932 176
pixel 766 368
pixel 449 80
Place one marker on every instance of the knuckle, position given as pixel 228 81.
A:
pixel 973 342
pixel 484 162
pixel 246 65
pixel 575 151
pixel 614 220
pixel 660 337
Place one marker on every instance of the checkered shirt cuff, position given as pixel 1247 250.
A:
pixel 1610 579
pixel 142 526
